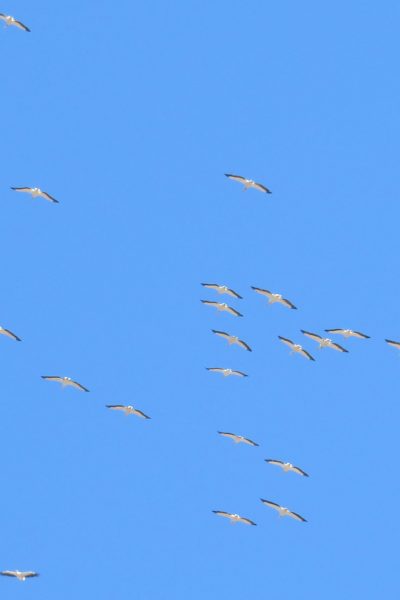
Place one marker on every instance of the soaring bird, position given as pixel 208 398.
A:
pixel 237 438
pixel 226 372
pixel 272 298
pixel 323 342
pixel 232 339
pixel 248 183
pixel 8 20
pixel 283 512
pixel 222 289
pixel 65 381
pixel 35 193
pixel 296 348
pixel 128 410
pixel 20 575
pixel 223 307
pixel 393 343
pixel 349 333
pixel 9 334
pixel 286 466
pixel 233 518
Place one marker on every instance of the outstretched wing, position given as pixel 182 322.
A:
pixel 296 516
pixel 393 343
pixel 116 406
pixel 233 312
pixel 9 334
pixel 248 441
pixel 262 188
pixel 266 293
pixel 313 336
pixel 299 471
pixel 21 25
pixel 232 436
pixel 78 386
pixel 287 303
pixel 239 373
pixel 270 504
pixel 244 345
pixel 360 335
pixel 210 303
pixel 52 378
pixel 236 177
pixel 48 197
pixel 139 413
pixel 273 461
pixel 22 189
pixel 338 347
pixel 246 521
pixel 306 354
pixel 286 341
pixel 221 334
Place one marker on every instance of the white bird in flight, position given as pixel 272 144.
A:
pixel 286 466
pixel 283 512
pixel 273 298
pixel 9 334
pixel 8 20
pixel 20 575
pixel 35 193
pixel 349 333
pixel 128 410
pixel 226 372
pixel 232 339
pixel 238 439
pixel 222 289
pixel 233 517
pixel 323 342
pixel 223 307
pixel 296 348
pixel 65 382
pixel 249 183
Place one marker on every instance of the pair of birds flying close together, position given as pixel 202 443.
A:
pixel 282 511
pixel 9 20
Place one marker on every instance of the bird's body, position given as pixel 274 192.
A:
pixel 65 382
pixel 234 518
pixel 20 575
pixel 9 334
pixel 222 289
pixel 323 342
pixel 35 193
pixel 9 20
pixel 347 333
pixel 128 410
pixel 232 339
pixel 223 307
pixel 296 348
pixel 249 183
pixel 238 439
pixel 226 372
pixel 286 466
pixel 274 298
pixel 282 511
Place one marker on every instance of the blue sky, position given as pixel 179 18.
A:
pixel 130 117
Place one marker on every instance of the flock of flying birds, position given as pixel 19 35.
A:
pixel 273 298
pixel 322 341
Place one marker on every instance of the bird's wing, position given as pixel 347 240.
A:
pixel 210 302
pixel 287 303
pixel 262 188
pixel 221 333
pixel 286 341
pixel 338 347
pixel 48 197
pixel 248 441
pixel 233 436
pixel 232 311
pixel 262 292
pixel 306 354
pixel 296 516
pixel 233 293
pixel 239 373
pixel 246 521
pixel 21 25
pixel 8 573
pixel 313 336
pixel 273 461
pixel 393 343
pixel 3 16
pixel 139 413
pixel 22 189
pixel 215 369
pixel 29 574
pixel 116 406
pixel 222 513
pixel 52 377
pixel 244 345
pixel 271 504
pixel 236 177
pixel 360 335
pixel 338 331
pixel 10 334
pixel 299 471
pixel 78 386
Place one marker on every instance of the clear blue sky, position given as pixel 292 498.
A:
pixel 130 115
